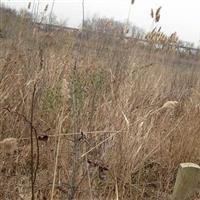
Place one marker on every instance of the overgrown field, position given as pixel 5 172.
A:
pixel 113 118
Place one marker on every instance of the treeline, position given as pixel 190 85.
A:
pixel 13 22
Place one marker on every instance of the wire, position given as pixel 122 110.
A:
pixel 71 134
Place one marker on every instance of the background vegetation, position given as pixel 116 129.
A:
pixel 113 117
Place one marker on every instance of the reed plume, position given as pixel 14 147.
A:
pixel 46 8
pixel 29 5
pixel 157 15
pixel 152 13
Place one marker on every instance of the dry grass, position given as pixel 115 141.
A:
pixel 114 119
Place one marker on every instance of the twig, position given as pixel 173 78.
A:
pixel 75 127
pixel 33 130
pixel 57 155
pixel 38 155
pixel 33 176
pixel 35 133
pixel 142 67
pixel 108 138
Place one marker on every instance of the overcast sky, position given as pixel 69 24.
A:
pixel 176 15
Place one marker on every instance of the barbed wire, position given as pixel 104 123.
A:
pixel 72 134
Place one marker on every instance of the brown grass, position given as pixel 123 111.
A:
pixel 117 117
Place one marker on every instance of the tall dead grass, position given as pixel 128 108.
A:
pixel 116 138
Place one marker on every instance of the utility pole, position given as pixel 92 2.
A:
pixel 128 18
pixel 51 12
pixel 33 11
pixel 83 10
pixel 1 20
pixel 37 10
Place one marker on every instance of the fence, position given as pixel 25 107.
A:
pixel 179 48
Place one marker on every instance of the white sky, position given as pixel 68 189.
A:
pixel 176 15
